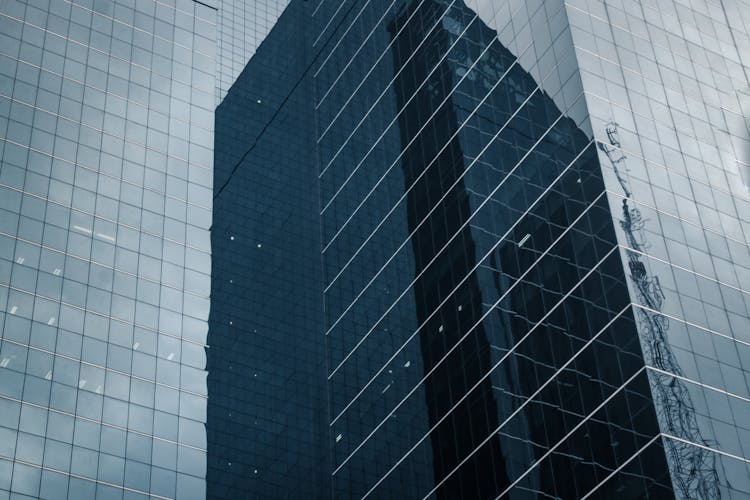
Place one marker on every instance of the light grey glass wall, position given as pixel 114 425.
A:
pixel 106 127
pixel 664 86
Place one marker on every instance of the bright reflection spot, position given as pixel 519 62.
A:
pixel 105 237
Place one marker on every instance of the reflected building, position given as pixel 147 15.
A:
pixel 455 349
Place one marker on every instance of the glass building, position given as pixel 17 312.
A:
pixel 450 249
pixel 533 231
pixel 106 127
pixel 266 362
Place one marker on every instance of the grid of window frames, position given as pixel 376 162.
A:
pixel 501 311
pixel 267 418
pixel 661 82
pixel 106 140
pixel 242 26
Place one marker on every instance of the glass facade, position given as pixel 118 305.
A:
pixel 106 127
pixel 533 250
pixel 467 196
pixel 450 249
pixel 241 27
pixel 266 381
pixel 665 90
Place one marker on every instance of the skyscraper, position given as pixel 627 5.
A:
pixel 266 360
pixel 533 240
pixel 106 119
pixel 515 290
pixel 430 249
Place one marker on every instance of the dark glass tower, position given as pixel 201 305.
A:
pixel 266 358
pixel 521 304
pixel 531 267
